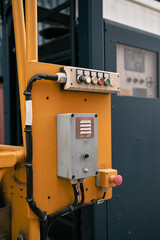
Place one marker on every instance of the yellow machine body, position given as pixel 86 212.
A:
pixel 51 193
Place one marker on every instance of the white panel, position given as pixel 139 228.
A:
pixel 138 71
pixel 140 14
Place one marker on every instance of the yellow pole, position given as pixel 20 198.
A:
pixel 31 30
pixel 20 39
pixel 32 55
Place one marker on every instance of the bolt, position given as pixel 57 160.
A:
pixel 85 169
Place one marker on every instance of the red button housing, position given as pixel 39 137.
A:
pixel 101 81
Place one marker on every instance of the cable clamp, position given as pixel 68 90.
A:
pixel 45 217
pixel 29 199
pixel 28 130
pixel 28 164
pixel 100 201
pixel 93 201
pixel 71 208
pixel 79 197
pixel 26 93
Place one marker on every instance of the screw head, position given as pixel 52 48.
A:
pixel 85 169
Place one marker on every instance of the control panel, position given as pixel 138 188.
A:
pixel 77 145
pixel 138 71
pixel 81 79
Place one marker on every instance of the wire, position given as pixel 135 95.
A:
pixel 40 76
pixel 82 192
pixel 72 207
pixel 101 200
pixel 47 220
pixel 28 129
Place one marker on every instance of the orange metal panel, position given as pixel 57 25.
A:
pixel 53 193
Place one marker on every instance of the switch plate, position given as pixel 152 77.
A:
pixel 73 85
pixel 77 135
pixel 103 178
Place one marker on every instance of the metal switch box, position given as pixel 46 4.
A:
pixel 89 80
pixel 77 145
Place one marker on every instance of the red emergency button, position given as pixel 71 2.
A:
pixel 116 179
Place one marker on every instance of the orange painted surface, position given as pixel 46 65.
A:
pixel 48 101
pixel 14 185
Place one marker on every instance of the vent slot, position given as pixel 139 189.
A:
pixel 85 127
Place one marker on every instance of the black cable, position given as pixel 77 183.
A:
pixel 52 217
pixel 39 77
pixel 44 230
pixel 28 129
pixel 76 194
pixel 29 173
pixel 101 200
pixel 82 193
pixel 104 194
pixel 72 207
pixel 47 220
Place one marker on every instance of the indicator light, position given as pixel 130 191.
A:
pixel 100 81
pixel 106 82
pixel 80 78
pixel 87 80
pixel 94 80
